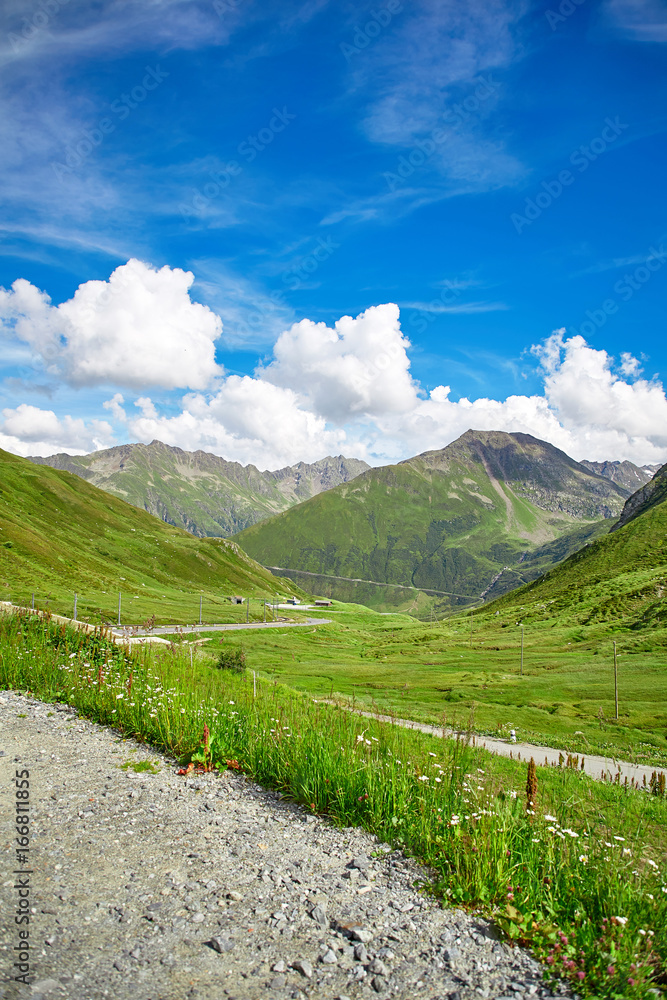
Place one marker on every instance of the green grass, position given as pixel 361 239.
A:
pixel 140 767
pixel 611 592
pixel 60 536
pixel 578 877
pixel 433 673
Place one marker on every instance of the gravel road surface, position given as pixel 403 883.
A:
pixel 152 886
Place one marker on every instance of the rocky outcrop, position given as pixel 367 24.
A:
pixel 644 499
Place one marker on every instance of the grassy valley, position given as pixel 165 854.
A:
pixel 60 535
pixel 611 591
pixel 461 810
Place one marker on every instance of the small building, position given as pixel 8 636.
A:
pixel 323 604
pixel 237 600
pixel 292 600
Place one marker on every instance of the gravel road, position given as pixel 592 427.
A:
pixel 152 886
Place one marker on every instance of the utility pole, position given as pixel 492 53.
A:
pixel 522 650
pixel 471 628
pixel 615 680
pixel 264 610
pixel 247 610
pixel 200 600
pixel 75 607
pixel 119 607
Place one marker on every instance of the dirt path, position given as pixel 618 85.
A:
pixel 601 768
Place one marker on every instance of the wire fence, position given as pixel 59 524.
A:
pixel 125 609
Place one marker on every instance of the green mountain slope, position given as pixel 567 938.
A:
pixel 618 581
pixel 456 520
pixel 59 534
pixel 202 493
pixel 650 495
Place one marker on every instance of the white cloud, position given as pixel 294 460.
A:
pixel 139 328
pixel 348 388
pixel 360 367
pixel 27 430
pixel 247 420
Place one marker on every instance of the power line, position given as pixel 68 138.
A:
pixel 373 583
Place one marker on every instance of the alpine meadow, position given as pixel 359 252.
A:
pixel 333 500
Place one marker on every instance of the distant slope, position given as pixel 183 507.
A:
pixel 465 519
pixel 650 495
pixel 200 492
pixel 619 580
pixel 59 533
pixel 626 474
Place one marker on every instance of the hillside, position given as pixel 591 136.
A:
pixel 626 474
pixel 200 492
pixel 618 581
pixel 468 519
pixel 653 493
pixel 60 535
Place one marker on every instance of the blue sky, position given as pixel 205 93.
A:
pixel 280 230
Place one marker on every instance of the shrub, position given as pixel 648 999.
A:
pixel 232 658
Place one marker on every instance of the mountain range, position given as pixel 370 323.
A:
pixel 485 514
pixel 200 492
pixel 476 519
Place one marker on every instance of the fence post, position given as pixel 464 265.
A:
pixel 33 600
pixel 247 610
pixel 75 607
pixel 522 650
pixel 615 681
pixel 200 600
pixel 119 607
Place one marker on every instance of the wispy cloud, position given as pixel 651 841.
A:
pixel 67 30
pixel 462 307
pixel 253 317
pixel 613 263
pixel 636 20
pixel 417 74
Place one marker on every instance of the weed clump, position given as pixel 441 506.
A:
pixel 233 658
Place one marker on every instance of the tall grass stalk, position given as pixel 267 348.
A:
pixel 590 902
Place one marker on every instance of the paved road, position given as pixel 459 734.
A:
pixel 596 767
pixel 190 629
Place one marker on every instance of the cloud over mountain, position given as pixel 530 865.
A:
pixel 324 390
